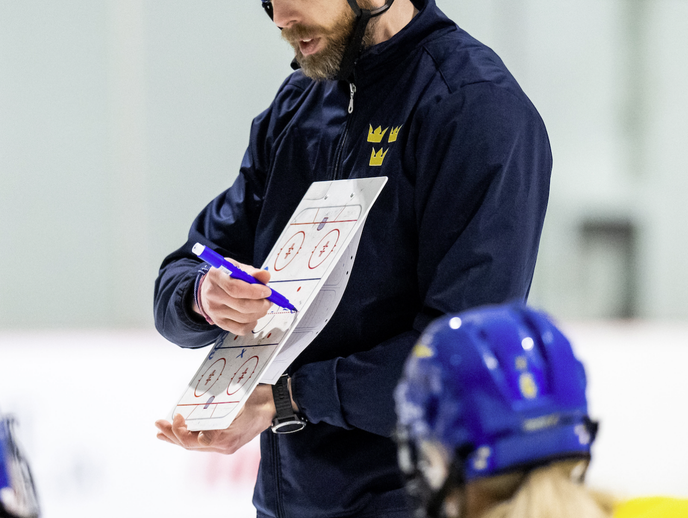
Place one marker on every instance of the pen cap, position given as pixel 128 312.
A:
pixel 209 256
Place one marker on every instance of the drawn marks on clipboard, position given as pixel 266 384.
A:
pixel 324 249
pixel 210 377
pixel 289 251
pixel 243 375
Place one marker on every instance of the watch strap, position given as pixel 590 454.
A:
pixel 286 420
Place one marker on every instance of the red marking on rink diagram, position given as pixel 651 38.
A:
pixel 242 375
pixel 210 377
pixel 323 249
pixel 289 251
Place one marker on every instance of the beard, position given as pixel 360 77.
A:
pixel 325 64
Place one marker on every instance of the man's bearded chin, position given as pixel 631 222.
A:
pixel 325 64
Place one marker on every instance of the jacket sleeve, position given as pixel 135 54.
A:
pixel 483 162
pixel 228 225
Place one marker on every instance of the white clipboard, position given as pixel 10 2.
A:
pixel 310 265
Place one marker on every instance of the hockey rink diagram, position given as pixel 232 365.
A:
pixel 310 266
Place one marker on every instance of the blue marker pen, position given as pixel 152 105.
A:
pixel 217 261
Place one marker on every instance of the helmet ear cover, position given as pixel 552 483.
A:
pixel 427 501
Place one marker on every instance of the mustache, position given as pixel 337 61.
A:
pixel 300 32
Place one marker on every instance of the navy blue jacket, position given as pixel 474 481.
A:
pixel 457 226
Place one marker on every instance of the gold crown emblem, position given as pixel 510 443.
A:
pixel 527 385
pixel 394 134
pixel 377 157
pixel 377 135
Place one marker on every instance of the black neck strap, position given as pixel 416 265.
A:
pixel 374 12
pixel 353 49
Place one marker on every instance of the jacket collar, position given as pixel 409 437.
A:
pixel 379 60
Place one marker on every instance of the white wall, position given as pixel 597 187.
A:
pixel 665 166
pixel 608 77
pixel 120 119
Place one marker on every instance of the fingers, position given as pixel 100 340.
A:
pixel 255 417
pixel 236 321
pixel 240 289
pixel 163 437
pixel 260 275
pixel 235 305
pixel 178 434
pixel 205 438
pixel 184 437
pixel 165 432
pixel 226 441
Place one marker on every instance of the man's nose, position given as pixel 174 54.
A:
pixel 285 13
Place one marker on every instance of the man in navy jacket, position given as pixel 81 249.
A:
pixel 386 88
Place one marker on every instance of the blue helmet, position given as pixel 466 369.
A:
pixel 499 388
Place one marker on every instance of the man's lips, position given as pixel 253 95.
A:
pixel 309 46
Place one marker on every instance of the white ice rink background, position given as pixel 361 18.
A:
pixel 87 401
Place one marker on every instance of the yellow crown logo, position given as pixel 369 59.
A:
pixel 528 386
pixel 394 134
pixel 377 157
pixel 377 135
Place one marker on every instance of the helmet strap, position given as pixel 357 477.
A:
pixel 353 49
pixel 455 480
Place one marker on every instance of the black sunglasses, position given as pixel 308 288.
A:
pixel 267 5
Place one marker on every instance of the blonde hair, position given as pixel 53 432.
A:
pixel 552 491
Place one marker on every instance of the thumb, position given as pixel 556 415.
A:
pixel 205 438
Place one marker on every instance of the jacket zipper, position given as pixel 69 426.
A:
pixel 352 89
pixel 277 472
pixel 342 142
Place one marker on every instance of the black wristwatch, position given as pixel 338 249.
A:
pixel 286 420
